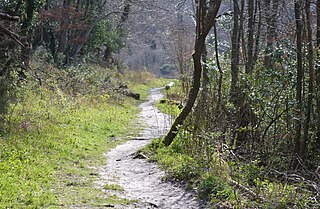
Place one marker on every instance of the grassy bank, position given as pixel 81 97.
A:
pixel 56 133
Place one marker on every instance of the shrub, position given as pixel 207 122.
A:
pixel 213 187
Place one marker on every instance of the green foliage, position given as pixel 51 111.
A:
pixel 212 187
pixel 28 12
pixel 212 178
pixel 7 94
pixel 178 166
pixel 104 35
pixel 172 103
pixel 169 108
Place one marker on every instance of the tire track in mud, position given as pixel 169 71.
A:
pixel 140 179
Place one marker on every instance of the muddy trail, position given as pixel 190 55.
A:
pixel 141 180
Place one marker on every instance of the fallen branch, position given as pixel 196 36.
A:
pixel 247 190
pixel 297 179
pixel 139 155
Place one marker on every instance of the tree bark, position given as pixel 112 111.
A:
pixel 318 76
pixel 299 78
pixel 63 38
pixel 235 51
pixel 271 12
pixel 219 96
pixel 192 94
pixel 257 42
pixel 249 63
pixel 305 141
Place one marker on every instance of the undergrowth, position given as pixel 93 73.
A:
pixel 56 132
pixel 215 184
pixel 221 179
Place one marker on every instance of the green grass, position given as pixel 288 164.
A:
pixel 113 187
pixel 54 142
pixel 170 109
pixel 143 88
pixel 173 99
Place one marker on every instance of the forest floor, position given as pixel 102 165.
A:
pixel 139 180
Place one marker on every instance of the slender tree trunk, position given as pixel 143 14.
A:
pixel 242 36
pixel 27 31
pixel 249 63
pixel 201 108
pixel 205 20
pixel 219 102
pixel 318 75
pixel 304 143
pixel 299 100
pixel 235 51
pixel 192 94
pixel 271 12
pixel 63 38
pixel 258 33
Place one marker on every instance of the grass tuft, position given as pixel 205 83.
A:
pixel 113 187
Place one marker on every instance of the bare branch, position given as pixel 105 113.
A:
pixel 16 38
pixel 5 16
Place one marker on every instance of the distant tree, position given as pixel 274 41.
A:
pixel 14 46
pixel 82 27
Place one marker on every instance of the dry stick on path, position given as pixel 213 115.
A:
pixel 206 14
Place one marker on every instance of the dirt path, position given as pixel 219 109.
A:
pixel 140 179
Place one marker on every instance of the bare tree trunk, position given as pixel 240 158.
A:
pixel 257 42
pixel 249 63
pixel 242 40
pixel 192 95
pixel 201 108
pixel 235 51
pixel 304 143
pixel 299 101
pixel 318 76
pixel 63 39
pixel 271 12
pixel 219 102
pixel 205 20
